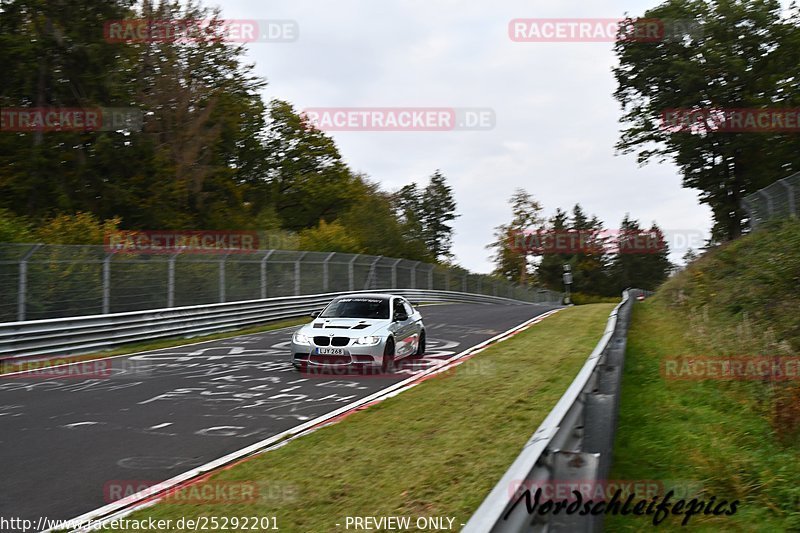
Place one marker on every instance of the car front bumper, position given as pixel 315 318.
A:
pixel 356 356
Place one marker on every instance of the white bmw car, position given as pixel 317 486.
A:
pixel 360 331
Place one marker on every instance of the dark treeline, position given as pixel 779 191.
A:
pixel 211 154
pixel 603 266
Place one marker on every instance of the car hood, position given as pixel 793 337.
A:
pixel 345 327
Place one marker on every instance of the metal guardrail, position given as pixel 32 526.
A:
pixel 574 442
pixel 85 334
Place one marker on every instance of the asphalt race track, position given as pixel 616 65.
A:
pixel 65 440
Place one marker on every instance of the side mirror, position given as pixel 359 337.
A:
pixel 400 317
pixel 315 314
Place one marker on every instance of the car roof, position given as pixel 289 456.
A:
pixel 376 296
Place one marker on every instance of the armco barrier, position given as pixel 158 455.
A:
pixel 73 336
pixel 574 442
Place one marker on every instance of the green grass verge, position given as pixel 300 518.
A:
pixel 11 366
pixel 710 432
pixel 434 450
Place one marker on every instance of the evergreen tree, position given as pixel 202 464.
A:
pixel 550 269
pixel 438 208
pixel 641 260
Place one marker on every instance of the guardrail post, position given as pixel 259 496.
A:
pixel 413 275
pixel 790 193
pixel 394 273
pixel 479 285
pixel 264 274
pixel 22 288
pixel 222 278
pixel 770 206
pixel 325 280
pixel 351 273
pixel 171 280
pixel 372 277
pixel 297 287
pixel 107 284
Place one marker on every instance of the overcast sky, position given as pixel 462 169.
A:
pixel 556 119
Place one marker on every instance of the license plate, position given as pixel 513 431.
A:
pixel 331 351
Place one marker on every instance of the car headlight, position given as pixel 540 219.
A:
pixel 368 341
pixel 299 338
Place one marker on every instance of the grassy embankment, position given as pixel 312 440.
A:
pixel 737 439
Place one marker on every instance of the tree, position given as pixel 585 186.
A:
pixel 409 208
pixel 510 261
pixel 202 136
pixel 550 269
pixel 588 261
pixel 641 260
pixel 371 221
pixel 14 228
pixel 438 208
pixel 425 214
pixel 746 56
pixel 333 237
pixel 305 178
pixel 689 256
pixel 80 228
pixel 54 56
pixel 589 264
pixel 200 143
pixel 210 155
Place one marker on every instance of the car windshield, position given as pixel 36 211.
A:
pixel 357 308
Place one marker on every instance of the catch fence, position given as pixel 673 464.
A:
pixel 40 281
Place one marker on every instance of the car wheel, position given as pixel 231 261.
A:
pixel 420 345
pixel 388 356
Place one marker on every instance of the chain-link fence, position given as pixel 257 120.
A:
pixel 50 281
pixel 780 199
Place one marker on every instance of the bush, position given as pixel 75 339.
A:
pixel 580 298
